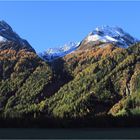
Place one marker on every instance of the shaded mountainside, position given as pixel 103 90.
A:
pixel 23 76
pixel 25 81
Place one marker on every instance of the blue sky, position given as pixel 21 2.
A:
pixel 51 24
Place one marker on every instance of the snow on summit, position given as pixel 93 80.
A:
pixel 114 35
pixel 54 53
pixel 105 34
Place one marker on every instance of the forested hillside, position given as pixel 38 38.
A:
pixel 96 84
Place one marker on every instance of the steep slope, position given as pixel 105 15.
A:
pixel 23 75
pixel 106 79
pixel 10 40
pixel 25 79
pixel 129 105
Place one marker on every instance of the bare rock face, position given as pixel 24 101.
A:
pixel 10 40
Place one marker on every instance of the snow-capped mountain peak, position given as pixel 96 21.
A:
pixel 54 53
pixel 104 34
pixel 108 34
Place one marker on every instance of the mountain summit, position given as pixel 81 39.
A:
pixel 8 36
pixel 54 53
pixel 108 34
pixel 100 36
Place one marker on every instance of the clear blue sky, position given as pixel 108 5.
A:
pixel 50 24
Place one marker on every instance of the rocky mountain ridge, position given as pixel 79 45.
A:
pixel 8 36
